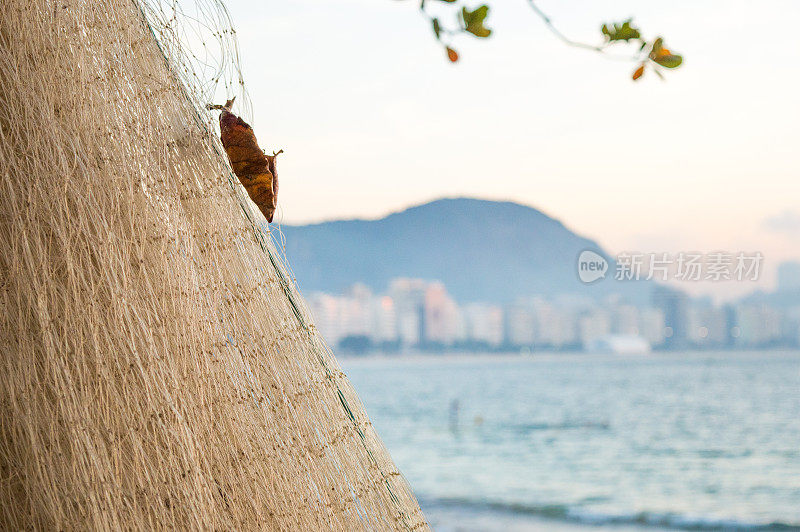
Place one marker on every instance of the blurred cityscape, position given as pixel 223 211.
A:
pixel 417 314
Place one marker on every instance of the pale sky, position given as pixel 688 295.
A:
pixel 373 118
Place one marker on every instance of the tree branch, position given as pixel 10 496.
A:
pixel 560 35
pixel 650 54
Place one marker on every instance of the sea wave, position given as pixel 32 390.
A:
pixel 570 513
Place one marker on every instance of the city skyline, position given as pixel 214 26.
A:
pixel 421 314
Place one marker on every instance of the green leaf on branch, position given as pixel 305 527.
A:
pixel 437 28
pixel 473 21
pixel 620 32
pixel 663 56
pixel 658 44
pixel 669 61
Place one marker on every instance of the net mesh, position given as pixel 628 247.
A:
pixel 159 369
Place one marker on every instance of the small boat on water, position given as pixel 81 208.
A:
pixel 619 344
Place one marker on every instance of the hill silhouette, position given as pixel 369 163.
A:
pixel 482 250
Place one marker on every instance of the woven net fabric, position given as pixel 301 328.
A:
pixel 159 368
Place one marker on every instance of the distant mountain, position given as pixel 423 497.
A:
pixel 482 250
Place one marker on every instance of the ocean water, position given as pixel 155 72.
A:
pixel 699 441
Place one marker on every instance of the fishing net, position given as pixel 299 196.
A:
pixel 159 368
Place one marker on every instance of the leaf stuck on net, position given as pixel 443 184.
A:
pixel 255 169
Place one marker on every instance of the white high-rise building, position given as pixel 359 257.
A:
pixel 409 299
pixel 625 319
pixel 384 320
pixel 443 320
pixel 554 326
pixel 326 311
pixel 594 325
pixel 484 323
pixel 651 326
pixel 756 325
pixel 520 324
pixel 706 325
